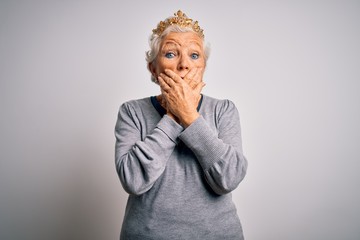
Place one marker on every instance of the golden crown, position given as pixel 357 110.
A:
pixel 181 20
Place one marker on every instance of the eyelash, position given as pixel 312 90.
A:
pixel 172 55
pixel 195 54
pixel 167 55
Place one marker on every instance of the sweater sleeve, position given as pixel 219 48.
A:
pixel 220 154
pixel 140 162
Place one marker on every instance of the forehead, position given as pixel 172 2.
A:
pixel 182 39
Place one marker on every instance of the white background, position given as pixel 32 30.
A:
pixel 291 67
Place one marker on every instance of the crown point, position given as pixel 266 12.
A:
pixel 181 20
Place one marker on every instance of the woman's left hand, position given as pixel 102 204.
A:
pixel 182 95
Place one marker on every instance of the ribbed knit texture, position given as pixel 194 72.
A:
pixel 179 180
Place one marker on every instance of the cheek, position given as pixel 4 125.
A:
pixel 166 64
pixel 200 64
pixel 159 68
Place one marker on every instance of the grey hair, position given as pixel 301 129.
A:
pixel 155 42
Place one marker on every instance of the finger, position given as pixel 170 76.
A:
pixel 165 96
pixel 191 74
pixel 196 77
pixel 163 84
pixel 169 81
pixel 199 74
pixel 171 74
pixel 199 87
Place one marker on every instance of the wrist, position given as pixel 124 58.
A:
pixel 188 120
pixel 172 116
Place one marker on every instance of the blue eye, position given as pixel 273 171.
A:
pixel 194 56
pixel 169 55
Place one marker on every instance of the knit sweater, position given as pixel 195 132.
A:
pixel 179 179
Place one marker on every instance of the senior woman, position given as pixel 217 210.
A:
pixel 179 154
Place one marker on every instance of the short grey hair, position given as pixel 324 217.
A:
pixel 155 42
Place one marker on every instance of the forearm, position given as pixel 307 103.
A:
pixel 223 163
pixel 139 163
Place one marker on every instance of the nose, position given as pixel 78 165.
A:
pixel 183 63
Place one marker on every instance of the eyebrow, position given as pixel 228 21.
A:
pixel 195 43
pixel 169 44
pixel 173 42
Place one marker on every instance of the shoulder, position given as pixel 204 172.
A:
pixel 136 103
pixel 135 108
pixel 218 105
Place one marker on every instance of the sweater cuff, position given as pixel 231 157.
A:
pixel 201 139
pixel 171 128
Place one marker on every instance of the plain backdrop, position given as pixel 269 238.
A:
pixel 291 67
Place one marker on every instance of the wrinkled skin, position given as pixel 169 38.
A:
pixel 179 68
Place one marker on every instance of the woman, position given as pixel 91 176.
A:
pixel 179 154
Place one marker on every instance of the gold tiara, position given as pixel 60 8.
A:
pixel 181 20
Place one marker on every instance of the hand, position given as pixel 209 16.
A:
pixel 182 95
pixel 163 103
pixel 194 77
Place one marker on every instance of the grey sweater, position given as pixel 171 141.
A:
pixel 179 180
